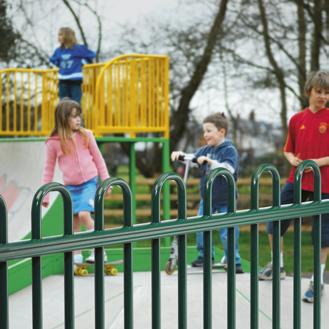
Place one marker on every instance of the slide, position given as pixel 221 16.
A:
pixel 21 166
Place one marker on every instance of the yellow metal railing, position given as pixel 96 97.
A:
pixel 129 94
pixel 28 98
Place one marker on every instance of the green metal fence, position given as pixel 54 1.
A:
pixel 129 233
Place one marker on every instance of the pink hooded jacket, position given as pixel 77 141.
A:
pixel 83 163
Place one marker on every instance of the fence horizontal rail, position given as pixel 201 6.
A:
pixel 30 248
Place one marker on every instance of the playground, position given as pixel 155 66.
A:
pixel 126 100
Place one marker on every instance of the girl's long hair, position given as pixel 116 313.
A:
pixel 62 127
pixel 69 39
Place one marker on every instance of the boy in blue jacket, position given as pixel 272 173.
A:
pixel 219 152
pixel 70 58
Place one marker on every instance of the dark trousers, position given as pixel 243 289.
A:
pixel 287 196
pixel 70 89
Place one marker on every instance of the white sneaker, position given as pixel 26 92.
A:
pixel 91 258
pixel 77 259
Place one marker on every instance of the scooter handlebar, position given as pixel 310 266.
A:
pixel 190 157
pixel 187 157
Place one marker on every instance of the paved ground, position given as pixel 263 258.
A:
pixel 53 303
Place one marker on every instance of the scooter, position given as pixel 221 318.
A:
pixel 171 264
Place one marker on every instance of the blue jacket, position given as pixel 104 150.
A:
pixel 225 152
pixel 71 60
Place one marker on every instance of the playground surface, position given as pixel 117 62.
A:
pixel 53 302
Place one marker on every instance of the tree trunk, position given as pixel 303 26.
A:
pixel 301 51
pixel 317 35
pixel 181 115
pixel 277 70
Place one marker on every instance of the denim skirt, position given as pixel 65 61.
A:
pixel 83 196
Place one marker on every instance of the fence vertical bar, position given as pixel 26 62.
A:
pixel 36 216
pixel 158 187
pixel 309 164
pixel 156 289
pixel 276 293
pixel 276 250
pixel 231 299
pixel 4 314
pixel 68 263
pixel 36 265
pixel 297 256
pixel 128 269
pixel 166 191
pixel 207 271
pixel 132 176
pixel 254 251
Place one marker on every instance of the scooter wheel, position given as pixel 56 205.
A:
pixel 169 268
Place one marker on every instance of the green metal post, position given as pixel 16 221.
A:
pixel 207 257
pixel 231 297
pixel 128 268
pixel 68 261
pixel 36 216
pixel 254 320
pixel 156 288
pixel 166 188
pixel 99 259
pixel 254 255
pixel 297 255
pixel 132 177
pixel 156 291
pixel 276 248
pixel 36 265
pixel 182 284
pixel 316 246
pixel 4 314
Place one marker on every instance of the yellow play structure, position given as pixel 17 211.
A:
pixel 128 94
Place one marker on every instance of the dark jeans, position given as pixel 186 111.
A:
pixel 287 196
pixel 71 89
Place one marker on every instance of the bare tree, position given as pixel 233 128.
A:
pixel 180 116
pixel 68 5
pixel 277 70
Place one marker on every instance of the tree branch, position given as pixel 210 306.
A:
pixel 180 117
pixel 77 20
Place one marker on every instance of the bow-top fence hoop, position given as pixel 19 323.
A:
pixel 36 217
pixel 156 195
pixel 106 185
pixel 306 166
pixel 4 311
pixel 254 186
pixel 99 201
pixel 156 291
pixel 207 282
pixel 254 249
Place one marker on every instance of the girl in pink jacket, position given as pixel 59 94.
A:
pixel 80 162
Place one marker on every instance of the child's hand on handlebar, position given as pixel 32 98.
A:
pixel 176 155
pixel 203 160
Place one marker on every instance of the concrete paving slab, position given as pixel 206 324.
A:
pixel 53 302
